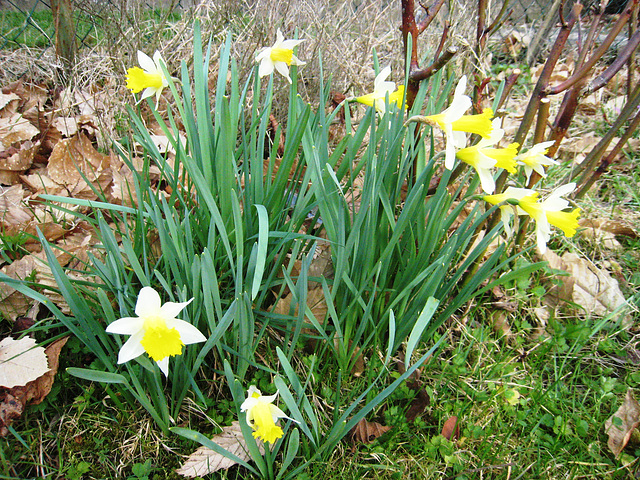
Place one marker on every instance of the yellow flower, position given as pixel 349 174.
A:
pixel 262 415
pixel 483 157
pixel 155 330
pixel 382 89
pixel 535 159
pixel 454 123
pixel 278 57
pixel 150 79
pixel 546 213
pixel 507 211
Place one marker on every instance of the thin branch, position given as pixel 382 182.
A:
pixel 435 66
pixel 443 39
pixel 431 15
pixel 496 23
pixel 622 58
pixel 511 81
pixel 586 67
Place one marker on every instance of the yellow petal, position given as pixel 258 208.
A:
pixel 479 124
pixel 265 427
pixel 160 341
pixel 496 198
pixel 504 157
pixel 396 97
pixel 565 221
pixel 469 155
pixel 282 55
pixel 530 205
pixel 138 80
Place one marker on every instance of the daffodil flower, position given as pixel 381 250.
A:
pixel 382 89
pixel 483 157
pixel 546 213
pixel 507 211
pixel 155 330
pixel 262 415
pixel 150 79
pixel 535 159
pixel 454 123
pixel 278 57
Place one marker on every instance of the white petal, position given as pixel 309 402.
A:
pixel 148 303
pixel 146 63
pixel 506 212
pixel 248 404
pixel 290 44
pixel 296 61
pixel 266 67
pixel 564 190
pixel 459 139
pixel 381 77
pixel 158 61
pixel 171 309
pixel 188 333
pixel 126 326
pixel 283 69
pixel 486 180
pixel 164 366
pixel 276 413
pixel 132 348
pixel 461 87
pixel 264 52
pixel 456 110
pixel 149 92
pixel 542 235
pixel 279 38
pixel 450 150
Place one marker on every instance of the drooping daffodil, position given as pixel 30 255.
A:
pixel 546 213
pixel 483 157
pixel 535 159
pixel 278 57
pixel 262 415
pixel 150 79
pixel 382 89
pixel 455 124
pixel 155 330
pixel 507 211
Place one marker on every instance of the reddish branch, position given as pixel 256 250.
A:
pixel 410 31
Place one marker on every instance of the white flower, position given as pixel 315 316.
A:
pixel 278 57
pixel 149 78
pixel 535 159
pixel 382 88
pixel 507 211
pixel 262 415
pixel 155 330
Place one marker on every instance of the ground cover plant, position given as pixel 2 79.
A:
pixel 264 278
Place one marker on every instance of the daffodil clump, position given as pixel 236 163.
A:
pixel 262 415
pixel 546 213
pixel 279 57
pixel 155 330
pixel 150 79
pixel 382 90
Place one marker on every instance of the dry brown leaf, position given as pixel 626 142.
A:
pixel 591 288
pixel 451 429
pixel 15 129
pixel 74 157
pixel 13 212
pixel 14 400
pixel 8 103
pixel 367 432
pixel 15 160
pixel 620 431
pixel 21 361
pixel 205 461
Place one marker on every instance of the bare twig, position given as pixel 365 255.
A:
pixel 511 81
pixel 431 15
pixel 609 159
pixel 624 56
pixel 440 62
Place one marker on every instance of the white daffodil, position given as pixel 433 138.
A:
pixel 278 57
pixel 382 89
pixel 262 415
pixel 535 159
pixel 150 79
pixel 483 157
pixel 155 330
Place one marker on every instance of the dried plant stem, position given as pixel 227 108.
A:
pixel 609 159
pixel 588 165
pixel 586 67
pixel 511 81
